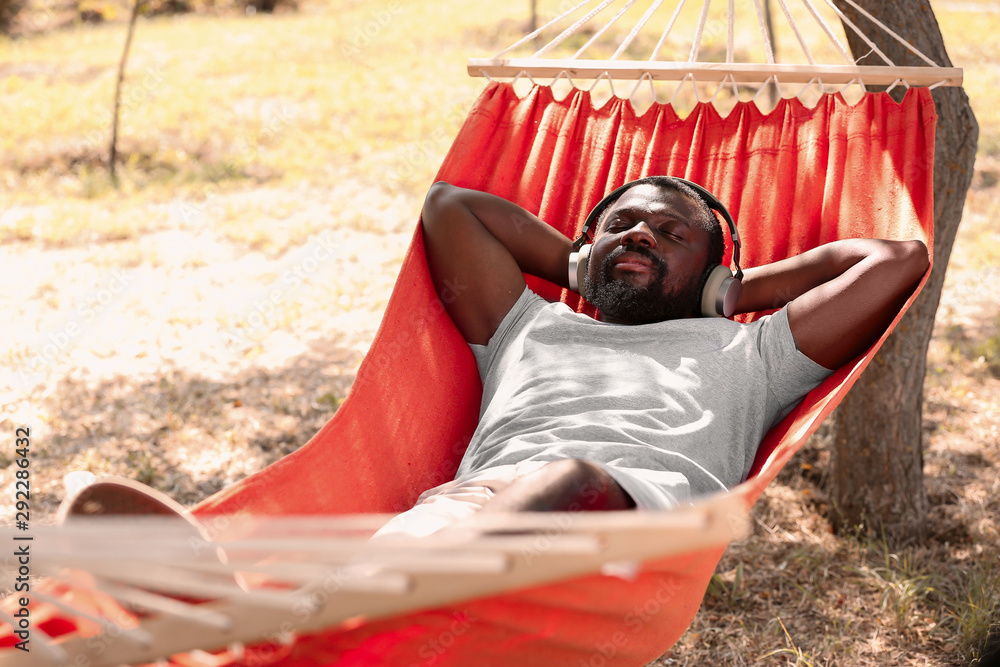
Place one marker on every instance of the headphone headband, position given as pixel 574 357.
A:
pixel 710 200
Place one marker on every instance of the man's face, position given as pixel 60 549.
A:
pixel 648 259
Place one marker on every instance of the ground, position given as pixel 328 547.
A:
pixel 208 317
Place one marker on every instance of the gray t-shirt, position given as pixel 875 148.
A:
pixel 673 410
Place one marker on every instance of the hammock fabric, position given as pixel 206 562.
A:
pixel 794 178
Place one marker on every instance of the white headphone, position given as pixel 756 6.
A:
pixel 722 289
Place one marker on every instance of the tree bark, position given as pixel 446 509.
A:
pixel 876 480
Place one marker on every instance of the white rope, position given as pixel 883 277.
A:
pixel 896 83
pixel 603 29
pixel 663 37
pixel 856 29
pixel 560 75
pixel 809 83
pixel 646 76
pixel 561 37
pixel 694 87
pixel 696 45
pixel 763 87
pixel 635 30
pixel 829 33
pixel 722 84
pixel 768 49
pixel 732 30
pixel 892 34
pixel 525 73
pixel 537 32
pixel 795 29
pixel 611 83
pixel 856 80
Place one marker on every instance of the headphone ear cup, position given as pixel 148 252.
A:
pixel 578 264
pixel 721 293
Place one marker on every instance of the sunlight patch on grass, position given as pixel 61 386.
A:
pixel 69 222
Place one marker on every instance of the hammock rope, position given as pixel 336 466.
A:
pixel 543 64
pixel 798 33
pixel 764 33
pixel 604 28
pixel 634 32
pixel 666 31
pixel 892 33
pixel 530 36
pixel 570 31
pixel 699 31
pixel 867 40
pixel 731 34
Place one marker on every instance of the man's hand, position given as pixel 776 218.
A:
pixel 841 296
pixel 478 246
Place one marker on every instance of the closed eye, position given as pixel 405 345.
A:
pixel 671 234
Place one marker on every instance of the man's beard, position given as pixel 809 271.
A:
pixel 626 303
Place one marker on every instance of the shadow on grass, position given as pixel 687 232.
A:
pixel 186 434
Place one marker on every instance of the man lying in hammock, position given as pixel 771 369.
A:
pixel 653 405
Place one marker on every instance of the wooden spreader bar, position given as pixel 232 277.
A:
pixel 748 73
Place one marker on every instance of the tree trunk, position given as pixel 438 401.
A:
pixel 876 480
pixel 113 148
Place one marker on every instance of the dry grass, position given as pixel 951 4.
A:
pixel 248 143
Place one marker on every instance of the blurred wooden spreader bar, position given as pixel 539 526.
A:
pixel 271 575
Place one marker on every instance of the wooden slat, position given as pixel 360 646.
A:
pixel 748 73
pixel 630 537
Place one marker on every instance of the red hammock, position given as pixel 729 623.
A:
pixel 793 179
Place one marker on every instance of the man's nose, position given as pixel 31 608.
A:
pixel 640 234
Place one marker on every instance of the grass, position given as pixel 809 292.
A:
pixel 250 137
pixel 202 122
pixel 972 606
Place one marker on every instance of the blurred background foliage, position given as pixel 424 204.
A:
pixel 24 17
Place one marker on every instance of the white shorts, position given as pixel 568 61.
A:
pixel 449 503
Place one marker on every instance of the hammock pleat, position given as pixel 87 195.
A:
pixel 793 179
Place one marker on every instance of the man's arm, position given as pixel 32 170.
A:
pixel 841 296
pixel 478 245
